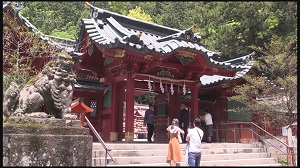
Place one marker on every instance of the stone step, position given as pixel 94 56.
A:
pixel 142 165
pixel 266 165
pixel 163 152
pixel 257 162
pixel 168 165
pixel 163 158
pixel 236 162
pixel 155 154
pixel 141 146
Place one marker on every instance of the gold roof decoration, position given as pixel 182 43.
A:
pixel 139 35
pixel 87 5
pixel 194 27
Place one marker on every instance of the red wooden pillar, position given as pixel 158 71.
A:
pixel 129 132
pixel 174 106
pixel 114 119
pixel 121 98
pixel 194 101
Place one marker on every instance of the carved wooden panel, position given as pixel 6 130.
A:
pixel 160 132
pixel 161 118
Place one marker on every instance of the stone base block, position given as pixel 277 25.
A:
pixel 129 136
pixel 46 142
pixel 113 136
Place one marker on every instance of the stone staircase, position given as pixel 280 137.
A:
pixel 155 155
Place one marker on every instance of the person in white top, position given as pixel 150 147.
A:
pixel 208 126
pixel 194 138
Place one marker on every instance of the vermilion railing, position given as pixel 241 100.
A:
pixel 236 129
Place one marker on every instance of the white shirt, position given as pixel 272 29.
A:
pixel 208 119
pixel 174 130
pixel 195 140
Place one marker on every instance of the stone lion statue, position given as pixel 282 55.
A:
pixel 53 86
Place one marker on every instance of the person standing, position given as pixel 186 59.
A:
pixel 184 120
pixel 174 151
pixel 208 126
pixel 194 137
pixel 149 121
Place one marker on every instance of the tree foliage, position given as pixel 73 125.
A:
pixel 228 27
pixel 60 19
pixel 272 96
pixel 119 7
pixel 138 13
pixel 19 51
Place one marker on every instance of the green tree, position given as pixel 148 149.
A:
pixel 145 99
pixel 228 27
pixel 175 14
pixel 231 27
pixel 119 7
pixel 60 19
pixel 277 88
pixel 138 13
pixel 19 50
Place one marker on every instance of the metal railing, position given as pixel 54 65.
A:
pixel 253 132
pixel 100 140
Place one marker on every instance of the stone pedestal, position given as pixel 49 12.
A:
pixel 46 142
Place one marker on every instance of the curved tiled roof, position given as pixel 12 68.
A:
pixel 15 7
pixel 89 85
pixel 109 33
pixel 111 30
pixel 247 62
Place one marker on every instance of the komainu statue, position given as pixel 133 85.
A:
pixel 53 86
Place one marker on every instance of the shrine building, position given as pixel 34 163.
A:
pixel 119 57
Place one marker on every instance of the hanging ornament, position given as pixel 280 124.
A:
pixel 149 85
pixel 172 89
pixel 184 88
pixel 161 86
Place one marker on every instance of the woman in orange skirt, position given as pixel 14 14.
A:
pixel 174 152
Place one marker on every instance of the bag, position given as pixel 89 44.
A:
pixel 179 137
pixel 186 156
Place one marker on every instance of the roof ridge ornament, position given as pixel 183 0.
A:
pixel 139 35
pixel 134 38
pixel 194 27
pixel 189 35
pixel 186 35
pixel 93 10
pixel 87 5
pixel 17 6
